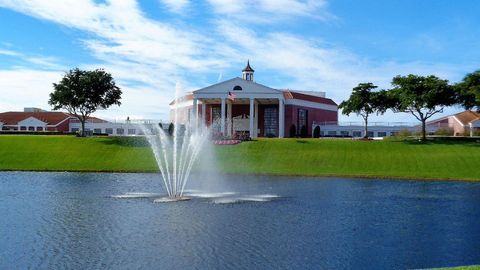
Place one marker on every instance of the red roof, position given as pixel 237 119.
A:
pixel 287 94
pixel 51 118
pixel 92 119
pixel 467 117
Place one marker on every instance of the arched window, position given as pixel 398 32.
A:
pixel 237 88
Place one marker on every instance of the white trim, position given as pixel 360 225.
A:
pixel 311 104
pixel 455 117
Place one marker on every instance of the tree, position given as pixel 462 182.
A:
pixel 82 92
pixel 468 91
pixel 421 96
pixel 363 101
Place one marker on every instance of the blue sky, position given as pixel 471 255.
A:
pixel 148 46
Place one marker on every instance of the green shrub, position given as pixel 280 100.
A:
pixel 293 131
pixel 404 133
pixel 316 132
pixel 444 132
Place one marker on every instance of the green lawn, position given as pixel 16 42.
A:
pixel 311 157
pixel 69 153
pixel 389 158
pixel 471 267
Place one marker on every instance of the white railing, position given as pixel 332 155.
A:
pixel 381 124
pixel 388 124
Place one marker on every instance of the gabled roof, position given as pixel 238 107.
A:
pixel 226 86
pixel 51 118
pixel 467 116
pixel 91 119
pixel 289 94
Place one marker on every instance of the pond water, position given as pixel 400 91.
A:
pixel 71 221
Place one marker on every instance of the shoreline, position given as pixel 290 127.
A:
pixel 355 177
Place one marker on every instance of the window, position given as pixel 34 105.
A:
pixel 357 134
pixel 75 130
pixel 270 122
pixel 97 130
pixel 394 133
pixel 131 131
pixel 216 111
pixel 23 128
pixel 120 131
pixel 370 134
pixel 382 134
pixel 302 121
pixel 31 128
pixel 109 130
pixel 39 128
pixel 237 88
pixel 332 133
pixel 344 133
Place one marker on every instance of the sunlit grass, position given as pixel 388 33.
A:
pixel 310 157
pixel 345 157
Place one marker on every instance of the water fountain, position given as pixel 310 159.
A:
pixel 176 153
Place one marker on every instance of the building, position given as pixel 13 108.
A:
pixel 466 123
pixel 37 120
pixel 243 106
pixel 357 130
pixel 30 120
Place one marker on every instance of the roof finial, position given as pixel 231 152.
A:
pixel 248 67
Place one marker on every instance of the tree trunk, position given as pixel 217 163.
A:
pixel 366 128
pixel 82 121
pixel 424 130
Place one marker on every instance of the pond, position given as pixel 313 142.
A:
pixel 71 221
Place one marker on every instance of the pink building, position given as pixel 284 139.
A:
pixel 242 106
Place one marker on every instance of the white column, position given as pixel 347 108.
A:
pixel 251 117
pixel 229 119
pixel 471 130
pixel 281 118
pixel 204 114
pixel 222 112
pixel 194 117
pixel 255 120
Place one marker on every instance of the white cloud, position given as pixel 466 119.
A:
pixel 147 57
pixel 176 6
pixel 26 88
pixel 269 11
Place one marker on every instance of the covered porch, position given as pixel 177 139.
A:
pixel 241 117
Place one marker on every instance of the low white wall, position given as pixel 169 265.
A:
pixel 112 129
pixel 358 131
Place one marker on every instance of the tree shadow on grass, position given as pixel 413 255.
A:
pixel 126 141
pixel 302 141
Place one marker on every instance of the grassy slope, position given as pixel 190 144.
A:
pixel 69 153
pixel 443 160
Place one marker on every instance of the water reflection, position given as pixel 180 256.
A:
pixel 67 220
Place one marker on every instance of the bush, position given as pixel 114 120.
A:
pixel 303 132
pixel 293 131
pixel 316 132
pixel 404 133
pixel 444 132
